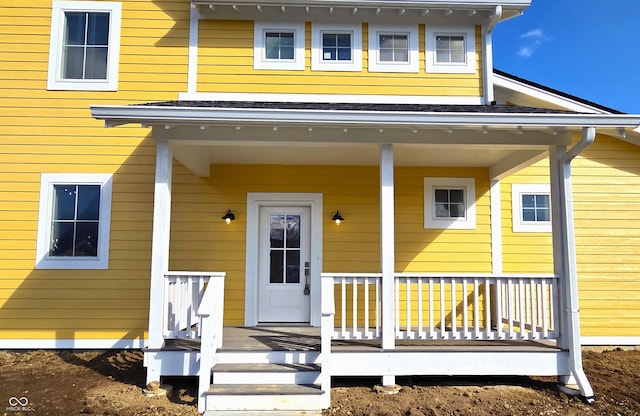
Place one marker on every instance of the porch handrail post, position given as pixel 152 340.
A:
pixel 387 246
pixel 160 242
pixel 327 325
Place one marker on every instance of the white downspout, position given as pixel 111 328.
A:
pixel 565 243
pixel 487 56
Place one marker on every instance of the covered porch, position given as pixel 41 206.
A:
pixel 388 323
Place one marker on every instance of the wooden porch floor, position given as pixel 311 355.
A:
pixel 299 338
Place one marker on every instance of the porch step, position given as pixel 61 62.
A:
pixel 266 373
pixel 263 397
pixel 265 382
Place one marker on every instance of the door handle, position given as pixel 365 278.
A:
pixel 307 274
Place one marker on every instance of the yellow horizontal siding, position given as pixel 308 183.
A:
pixel 225 64
pixel 52 131
pixel 606 185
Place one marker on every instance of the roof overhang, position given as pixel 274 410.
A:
pixel 504 142
pixel 148 115
pixel 418 10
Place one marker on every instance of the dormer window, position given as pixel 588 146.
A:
pixel 450 50
pixel 393 48
pixel 336 48
pixel 278 46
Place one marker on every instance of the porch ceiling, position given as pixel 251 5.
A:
pixel 502 138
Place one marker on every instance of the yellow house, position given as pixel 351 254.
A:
pixel 293 191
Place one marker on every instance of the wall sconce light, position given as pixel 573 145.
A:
pixel 229 216
pixel 337 218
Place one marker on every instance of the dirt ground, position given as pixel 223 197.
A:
pixel 110 383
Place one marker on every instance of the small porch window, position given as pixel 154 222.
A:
pixel 531 208
pixel 73 224
pixel 449 203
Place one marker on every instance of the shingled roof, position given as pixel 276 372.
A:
pixel 410 108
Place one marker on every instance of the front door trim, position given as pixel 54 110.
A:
pixel 256 200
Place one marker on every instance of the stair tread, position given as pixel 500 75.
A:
pixel 264 367
pixel 265 389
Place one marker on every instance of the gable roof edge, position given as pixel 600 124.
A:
pixel 550 95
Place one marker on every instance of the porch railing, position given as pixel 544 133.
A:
pixel 449 307
pixel 183 294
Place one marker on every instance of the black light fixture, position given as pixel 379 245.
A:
pixel 337 218
pixel 229 216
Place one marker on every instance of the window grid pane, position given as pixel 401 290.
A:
pixel 449 203
pixel 450 49
pixel 535 208
pixel 394 48
pixel 279 45
pixel 85 45
pixel 71 237
pixel 336 46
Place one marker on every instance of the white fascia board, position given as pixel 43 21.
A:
pixel 378 3
pixel 544 95
pixel 149 115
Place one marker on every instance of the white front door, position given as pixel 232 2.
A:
pixel 284 265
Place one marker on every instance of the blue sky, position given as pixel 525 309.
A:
pixel 587 48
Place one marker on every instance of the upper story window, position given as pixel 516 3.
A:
pixel 393 48
pixel 278 46
pixel 336 47
pixel 84 45
pixel 73 224
pixel 450 49
pixel 449 203
pixel 531 208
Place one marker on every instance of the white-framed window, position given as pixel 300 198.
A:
pixel 278 46
pixel 336 47
pixel 74 221
pixel 450 203
pixel 531 208
pixel 393 48
pixel 450 50
pixel 84 45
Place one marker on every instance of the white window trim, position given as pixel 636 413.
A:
pixel 520 226
pixel 318 64
pixel 469 67
pixel 54 81
pixel 469 187
pixel 259 52
pixel 375 65
pixel 43 261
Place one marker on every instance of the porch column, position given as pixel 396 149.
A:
pixel 160 241
pixel 564 263
pixel 387 248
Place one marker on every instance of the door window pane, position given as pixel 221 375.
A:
pixel 276 270
pixel 293 231
pixel 277 231
pixel 293 266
